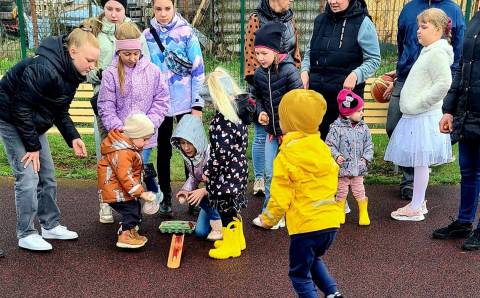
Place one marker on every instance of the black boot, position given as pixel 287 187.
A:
pixel 166 205
pixel 472 242
pixel 1 254
pixel 454 230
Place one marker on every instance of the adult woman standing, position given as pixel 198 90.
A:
pixel 343 53
pixel 461 119
pixel 35 94
pixel 176 50
pixel 267 11
pixel 104 27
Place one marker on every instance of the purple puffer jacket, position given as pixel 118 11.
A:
pixel 145 91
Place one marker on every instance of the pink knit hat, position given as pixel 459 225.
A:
pixel 349 102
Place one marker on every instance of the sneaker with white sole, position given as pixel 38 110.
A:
pixel 408 214
pixel 34 242
pixel 423 208
pixel 59 233
pixel 105 214
pixel 259 186
pixel 347 208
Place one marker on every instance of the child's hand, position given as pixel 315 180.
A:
pixel 263 118
pixel 340 160
pixel 148 196
pixel 195 197
pixel 259 222
pixel 182 196
pixel 446 123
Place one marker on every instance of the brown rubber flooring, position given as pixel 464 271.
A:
pixel 387 259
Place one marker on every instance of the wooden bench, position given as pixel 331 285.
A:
pixel 82 113
pixel 81 110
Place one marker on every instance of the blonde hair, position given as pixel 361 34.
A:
pixel 125 31
pixel 79 37
pixel 439 19
pixel 94 24
pixel 223 89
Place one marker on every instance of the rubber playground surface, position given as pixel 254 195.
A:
pixel 387 259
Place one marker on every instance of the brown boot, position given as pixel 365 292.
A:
pixel 128 239
pixel 138 236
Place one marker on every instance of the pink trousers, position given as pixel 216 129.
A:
pixel 356 183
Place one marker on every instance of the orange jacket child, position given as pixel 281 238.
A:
pixel 119 176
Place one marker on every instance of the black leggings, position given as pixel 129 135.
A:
pixel 227 217
pixel 164 155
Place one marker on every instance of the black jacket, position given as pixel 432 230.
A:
pixel 463 99
pixel 266 14
pixel 334 49
pixel 36 93
pixel 270 86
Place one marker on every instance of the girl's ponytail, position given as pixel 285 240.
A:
pixel 448 31
pixel 81 36
pixel 94 24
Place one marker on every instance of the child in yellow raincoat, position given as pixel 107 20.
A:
pixel 305 179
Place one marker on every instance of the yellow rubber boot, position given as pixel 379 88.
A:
pixel 363 218
pixel 230 247
pixel 239 234
pixel 341 206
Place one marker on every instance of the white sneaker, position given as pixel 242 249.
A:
pixel 105 214
pixel 34 242
pixel 258 186
pixel 59 233
pixel 347 208
pixel 424 207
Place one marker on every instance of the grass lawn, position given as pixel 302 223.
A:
pixel 68 166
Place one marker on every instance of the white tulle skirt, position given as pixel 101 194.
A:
pixel 417 141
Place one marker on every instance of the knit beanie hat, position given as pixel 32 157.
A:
pixel 302 110
pixel 349 102
pixel 123 2
pixel 270 36
pixel 138 126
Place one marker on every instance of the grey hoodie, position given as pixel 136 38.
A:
pixel 190 128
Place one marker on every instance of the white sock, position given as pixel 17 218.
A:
pixel 420 183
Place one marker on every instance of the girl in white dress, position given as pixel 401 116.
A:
pixel 417 141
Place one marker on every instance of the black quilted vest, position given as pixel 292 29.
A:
pixel 334 49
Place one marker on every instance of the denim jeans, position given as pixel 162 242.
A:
pixel 393 116
pixel 150 182
pixel 468 155
pixel 271 150
pixel 35 193
pixel 307 268
pixel 204 217
pixel 99 133
pixel 258 150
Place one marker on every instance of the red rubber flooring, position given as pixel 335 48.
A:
pixel 387 259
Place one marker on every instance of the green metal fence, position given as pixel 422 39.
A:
pixel 219 24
